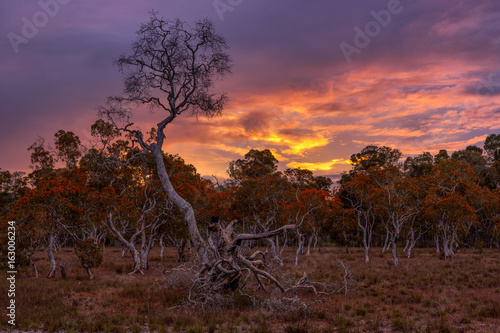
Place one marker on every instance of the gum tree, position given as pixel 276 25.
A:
pixel 171 70
pixel 362 196
pixel 397 194
pixel 452 189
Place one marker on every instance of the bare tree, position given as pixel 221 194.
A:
pixel 172 69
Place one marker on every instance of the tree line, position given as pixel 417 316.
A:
pixel 121 188
pixel 108 192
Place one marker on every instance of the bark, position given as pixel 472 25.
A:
pixel 162 246
pixel 395 260
pixel 367 227
pixel 300 247
pixel 284 247
pixel 447 248
pixel 366 245
pixel 309 245
pixel 137 260
pixel 366 253
pixel 52 270
pixel 200 245
pixel 315 241
pixel 436 240
pixel 412 242
pixel 33 262
pixel 410 249
pixel 124 250
pixel 386 242
pixel 129 245
pixel 146 246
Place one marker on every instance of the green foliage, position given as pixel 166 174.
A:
pixel 254 165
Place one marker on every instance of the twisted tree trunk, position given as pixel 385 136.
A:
pixel 207 257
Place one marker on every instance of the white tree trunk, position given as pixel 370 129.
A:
pixel 33 263
pixel 146 246
pixel 366 246
pixel 162 246
pixel 130 245
pixel 412 242
pixel 436 240
pixel 52 270
pixel 447 248
pixel 300 248
pixel 206 256
pixel 386 242
pixel 309 245
pixel 395 260
pixel 124 250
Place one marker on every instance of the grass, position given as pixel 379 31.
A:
pixel 422 294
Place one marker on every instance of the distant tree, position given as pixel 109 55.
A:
pixel 362 195
pixel 492 147
pixel 397 198
pixel 308 212
pixel 418 225
pixel 323 183
pixel 42 160
pixel 442 155
pixel 374 156
pixel 448 202
pixel 420 165
pixel 304 179
pixel 67 146
pixel 473 156
pixel 254 165
pixel 369 157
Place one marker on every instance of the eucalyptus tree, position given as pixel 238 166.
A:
pixel 363 196
pixel 259 195
pixel 171 70
pixel 452 189
pixel 420 165
pixel 473 156
pixel 374 156
pixel 397 193
pixel 492 147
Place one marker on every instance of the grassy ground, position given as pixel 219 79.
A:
pixel 423 294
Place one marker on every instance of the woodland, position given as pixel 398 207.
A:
pixel 233 237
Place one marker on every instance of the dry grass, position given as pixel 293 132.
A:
pixel 423 294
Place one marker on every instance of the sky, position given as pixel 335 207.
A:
pixel 313 81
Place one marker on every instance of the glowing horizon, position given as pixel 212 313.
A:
pixel 427 80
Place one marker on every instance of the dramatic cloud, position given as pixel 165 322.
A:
pixel 417 75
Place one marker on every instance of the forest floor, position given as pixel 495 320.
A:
pixel 422 294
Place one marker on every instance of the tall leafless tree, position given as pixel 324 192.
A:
pixel 172 69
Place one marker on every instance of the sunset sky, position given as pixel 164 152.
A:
pixel 314 81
